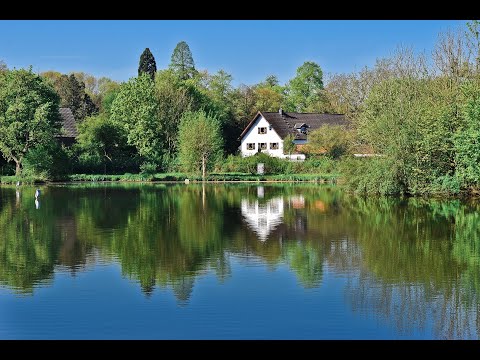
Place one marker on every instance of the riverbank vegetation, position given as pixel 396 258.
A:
pixel 418 113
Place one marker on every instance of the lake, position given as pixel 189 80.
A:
pixel 235 261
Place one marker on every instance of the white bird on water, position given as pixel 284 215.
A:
pixel 37 193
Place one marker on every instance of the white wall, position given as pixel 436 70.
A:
pixel 252 136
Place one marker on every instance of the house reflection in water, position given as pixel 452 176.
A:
pixel 263 217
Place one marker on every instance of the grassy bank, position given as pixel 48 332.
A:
pixel 213 177
pixel 210 177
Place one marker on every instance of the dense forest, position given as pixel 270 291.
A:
pixel 418 113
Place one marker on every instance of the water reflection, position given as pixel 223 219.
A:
pixel 412 263
pixel 262 218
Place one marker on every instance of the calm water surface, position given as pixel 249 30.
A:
pixel 156 261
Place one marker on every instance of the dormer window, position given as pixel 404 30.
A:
pixel 301 128
pixel 262 130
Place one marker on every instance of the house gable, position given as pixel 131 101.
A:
pixel 260 136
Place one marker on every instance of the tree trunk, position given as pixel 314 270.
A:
pixel 204 160
pixel 18 168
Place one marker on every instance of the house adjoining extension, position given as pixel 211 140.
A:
pixel 267 131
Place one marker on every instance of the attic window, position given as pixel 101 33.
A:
pixel 262 130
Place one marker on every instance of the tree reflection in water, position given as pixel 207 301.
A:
pixel 405 261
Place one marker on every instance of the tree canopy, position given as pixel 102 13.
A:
pixel 147 64
pixel 135 109
pixel 182 61
pixel 200 142
pixel 304 90
pixel 28 114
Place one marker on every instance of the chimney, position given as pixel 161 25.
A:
pixel 280 111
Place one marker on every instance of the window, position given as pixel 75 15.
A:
pixel 262 146
pixel 250 146
pixel 262 130
pixel 273 146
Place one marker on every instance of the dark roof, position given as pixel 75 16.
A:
pixel 69 127
pixel 285 123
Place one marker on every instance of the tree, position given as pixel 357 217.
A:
pixel 135 109
pixel 467 146
pixel 28 114
pixel 173 101
pixel 3 66
pixel 182 61
pixel 288 144
pixel 272 80
pixel 99 136
pixel 332 140
pixel 147 64
pixel 72 94
pixel 305 88
pixel 200 142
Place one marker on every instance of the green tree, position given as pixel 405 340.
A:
pixel 28 114
pixel 72 94
pixel 304 90
pixel 200 142
pixel 147 64
pixel 47 161
pixel 135 109
pixel 288 144
pixel 467 146
pixel 182 61
pixel 107 99
pixel 173 99
pixel 99 136
pixel 333 140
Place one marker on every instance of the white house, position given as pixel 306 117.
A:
pixel 267 131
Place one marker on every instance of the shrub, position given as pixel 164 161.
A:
pixel 47 162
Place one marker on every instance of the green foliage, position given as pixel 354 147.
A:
pixel 288 144
pixel 148 169
pixel 410 121
pixel 199 141
pixel 103 140
pixel 147 64
pixel 333 140
pixel 269 95
pixel 135 109
pixel 28 114
pixel 182 61
pixel 467 146
pixel 72 95
pixel 174 99
pixel 378 175
pixel 48 161
pixel 108 98
pixel 294 170
pixel 304 90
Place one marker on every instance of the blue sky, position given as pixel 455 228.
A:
pixel 249 50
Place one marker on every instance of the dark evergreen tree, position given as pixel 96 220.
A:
pixel 147 64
